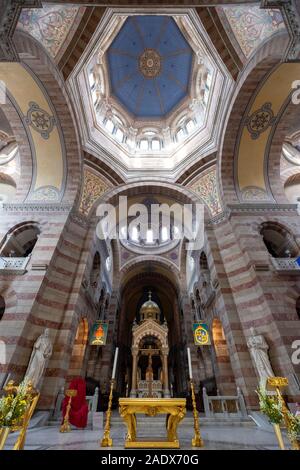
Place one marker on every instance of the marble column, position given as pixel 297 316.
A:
pixel 166 374
pixel 134 372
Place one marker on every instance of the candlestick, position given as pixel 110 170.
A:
pixel 115 364
pixel 106 439
pixel 197 440
pixel 190 363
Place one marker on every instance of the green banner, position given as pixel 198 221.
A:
pixel 98 333
pixel 201 334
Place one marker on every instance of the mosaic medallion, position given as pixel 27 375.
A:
pixel 260 120
pixel 150 63
pixel 40 120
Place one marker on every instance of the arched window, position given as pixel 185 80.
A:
pixel 203 262
pixel 119 135
pixel 21 240
pixel 109 125
pixel 292 188
pixel 298 307
pixel 190 126
pixel 278 241
pixel 144 144
pixel 2 307
pixel 155 145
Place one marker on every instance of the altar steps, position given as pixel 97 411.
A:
pixel 159 422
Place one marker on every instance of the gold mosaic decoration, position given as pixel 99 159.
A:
pixel 93 188
pixel 206 187
pixel 150 63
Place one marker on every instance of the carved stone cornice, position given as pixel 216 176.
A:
pixel 262 207
pixel 10 12
pixel 35 207
pixel 291 15
pixel 249 208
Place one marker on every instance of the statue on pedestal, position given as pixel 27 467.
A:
pixel 258 348
pixel 41 352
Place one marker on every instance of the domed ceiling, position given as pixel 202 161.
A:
pixel 150 66
pixel 150 92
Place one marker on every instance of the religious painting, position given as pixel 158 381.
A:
pixel 98 334
pixel 201 334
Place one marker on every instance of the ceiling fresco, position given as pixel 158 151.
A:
pixel 150 65
pixel 42 128
pixel 250 26
pixel 50 25
pixel 257 129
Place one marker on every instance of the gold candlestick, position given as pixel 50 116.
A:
pixel 65 427
pixel 280 382
pixel 4 432
pixel 197 440
pixel 279 436
pixel 106 439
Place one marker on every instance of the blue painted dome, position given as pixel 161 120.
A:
pixel 150 66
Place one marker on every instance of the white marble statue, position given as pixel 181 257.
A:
pixel 41 352
pixel 258 348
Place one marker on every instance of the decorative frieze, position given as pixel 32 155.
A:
pixel 262 207
pixel 32 207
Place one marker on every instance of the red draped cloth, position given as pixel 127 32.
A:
pixel 79 407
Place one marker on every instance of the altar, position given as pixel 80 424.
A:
pixel 150 350
pixel 174 408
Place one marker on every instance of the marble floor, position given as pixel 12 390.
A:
pixel 216 437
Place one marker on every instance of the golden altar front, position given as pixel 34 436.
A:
pixel 174 408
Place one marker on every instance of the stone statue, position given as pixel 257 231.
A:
pixel 41 352
pixel 259 352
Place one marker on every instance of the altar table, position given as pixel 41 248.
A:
pixel 175 408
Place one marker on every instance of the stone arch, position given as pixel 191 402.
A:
pixel 163 269
pixel 20 240
pixel 155 188
pixel 278 240
pixel 287 124
pixel 291 186
pixel 38 63
pixel 10 118
pixel 261 64
pixel 150 331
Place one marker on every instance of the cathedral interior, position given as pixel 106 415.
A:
pixel 173 104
